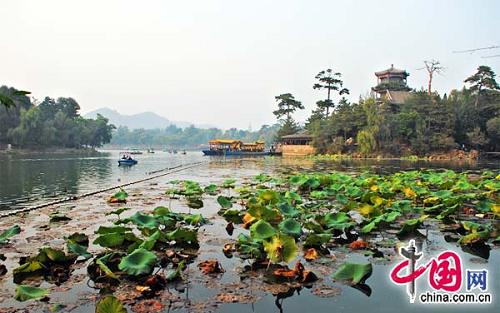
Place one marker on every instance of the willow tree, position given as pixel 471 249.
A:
pixel 332 82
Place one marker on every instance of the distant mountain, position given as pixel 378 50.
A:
pixel 146 120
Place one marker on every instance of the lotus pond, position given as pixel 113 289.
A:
pixel 256 235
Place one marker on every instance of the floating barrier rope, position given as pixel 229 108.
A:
pixel 168 170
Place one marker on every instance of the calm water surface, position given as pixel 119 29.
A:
pixel 30 179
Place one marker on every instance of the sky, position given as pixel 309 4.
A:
pixel 222 62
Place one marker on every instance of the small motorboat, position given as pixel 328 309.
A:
pixel 183 151
pixel 151 150
pixel 126 159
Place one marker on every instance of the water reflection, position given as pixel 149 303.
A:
pixel 30 179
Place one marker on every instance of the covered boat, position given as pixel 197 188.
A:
pixel 235 147
pixel 126 159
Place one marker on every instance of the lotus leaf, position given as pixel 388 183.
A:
pixel 139 262
pixel 353 272
pixel 25 292
pixel 6 234
pixel 110 304
pixel 281 248
pixel 262 230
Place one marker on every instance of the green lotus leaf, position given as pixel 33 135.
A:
pixel 474 237
pixel 194 219
pixel 117 211
pixel 150 242
pixel 260 211
pixel 25 292
pixel 248 248
pixel 58 217
pixel 268 196
pixel 317 240
pixel 30 266
pixel 102 265
pixel 194 202
pixel 338 221
pixel 139 262
pixel 290 227
pixel 161 211
pixel 288 210
pixel 110 304
pixel 411 226
pixel 211 189
pixel 368 227
pixel 231 215
pixel 6 234
pixel 144 220
pixel 181 235
pixel 391 216
pixel 110 240
pixel 121 195
pixel 224 202
pixel 54 255
pixel 78 249
pixel 228 183
pixel 353 272
pixel 262 230
pixel 79 238
pixel 281 248
pixel 113 229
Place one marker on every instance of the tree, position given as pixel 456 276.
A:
pixel 366 142
pixel 8 99
pixel 493 130
pixel 330 81
pixel 288 127
pixel 287 105
pixel 481 81
pixel 432 67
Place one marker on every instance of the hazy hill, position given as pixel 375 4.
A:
pixel 146 120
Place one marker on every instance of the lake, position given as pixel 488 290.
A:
pixel 34 178
pixel 31 179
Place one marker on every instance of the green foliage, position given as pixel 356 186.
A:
pixel 25 292
pixel 139 262
pixel 51 123
pixel 281 248
pixel 110 304
pixel 6 234
pixel 366 141
pixel 330 81
pixel 173 136
pixel 424 124
pixel 353 272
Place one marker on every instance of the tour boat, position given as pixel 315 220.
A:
pixel 230 147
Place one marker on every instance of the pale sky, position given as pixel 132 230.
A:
pixel 222 62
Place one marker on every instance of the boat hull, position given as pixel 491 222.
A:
pixel 127 162
pixel 233 153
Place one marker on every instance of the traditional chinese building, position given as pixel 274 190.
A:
pixel 391 85
pixel 297 144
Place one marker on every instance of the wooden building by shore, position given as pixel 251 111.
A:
pixel 298 144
